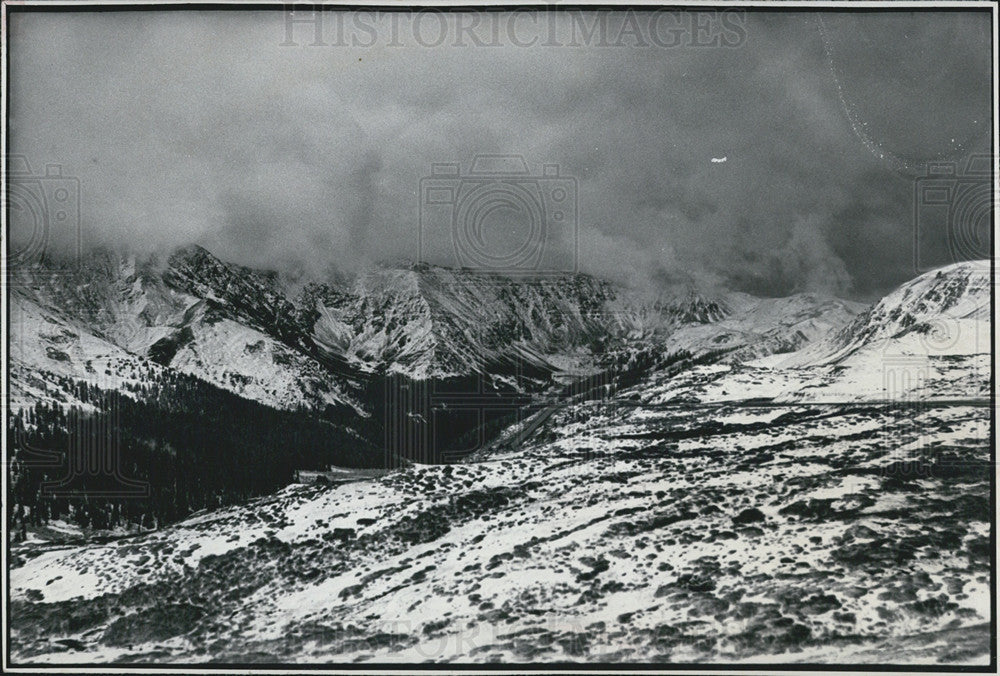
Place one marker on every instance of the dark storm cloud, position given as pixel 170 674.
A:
pixel 201 127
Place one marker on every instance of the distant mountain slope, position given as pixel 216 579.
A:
pixel 116 305
pixel 249 332
pixel 928 340
pixel 937 305
pixel 757 327
pixel 435 322
pixel 49 352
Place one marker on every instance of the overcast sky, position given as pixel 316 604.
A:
pixel 203 127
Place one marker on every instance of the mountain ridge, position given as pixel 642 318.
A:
pixel 229 323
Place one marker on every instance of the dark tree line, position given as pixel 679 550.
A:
pixel 175 446
pixel 172 444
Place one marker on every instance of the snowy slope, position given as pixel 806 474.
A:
pixel 618 533
pixel 759 327
pixel 946 306
pixel 928 340
pixel 255 366
pixel 138 309
pixel 250 332
pixel 832 527
pixel 49 352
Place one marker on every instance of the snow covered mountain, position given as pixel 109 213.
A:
pixel 50 353
pixel 928 340
pixel 742 504
pixel 250 332
pixel 757 327
pixel 118 319
pixel 428 322
pixel 944 310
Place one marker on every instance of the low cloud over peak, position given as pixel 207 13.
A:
pixel 186 127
